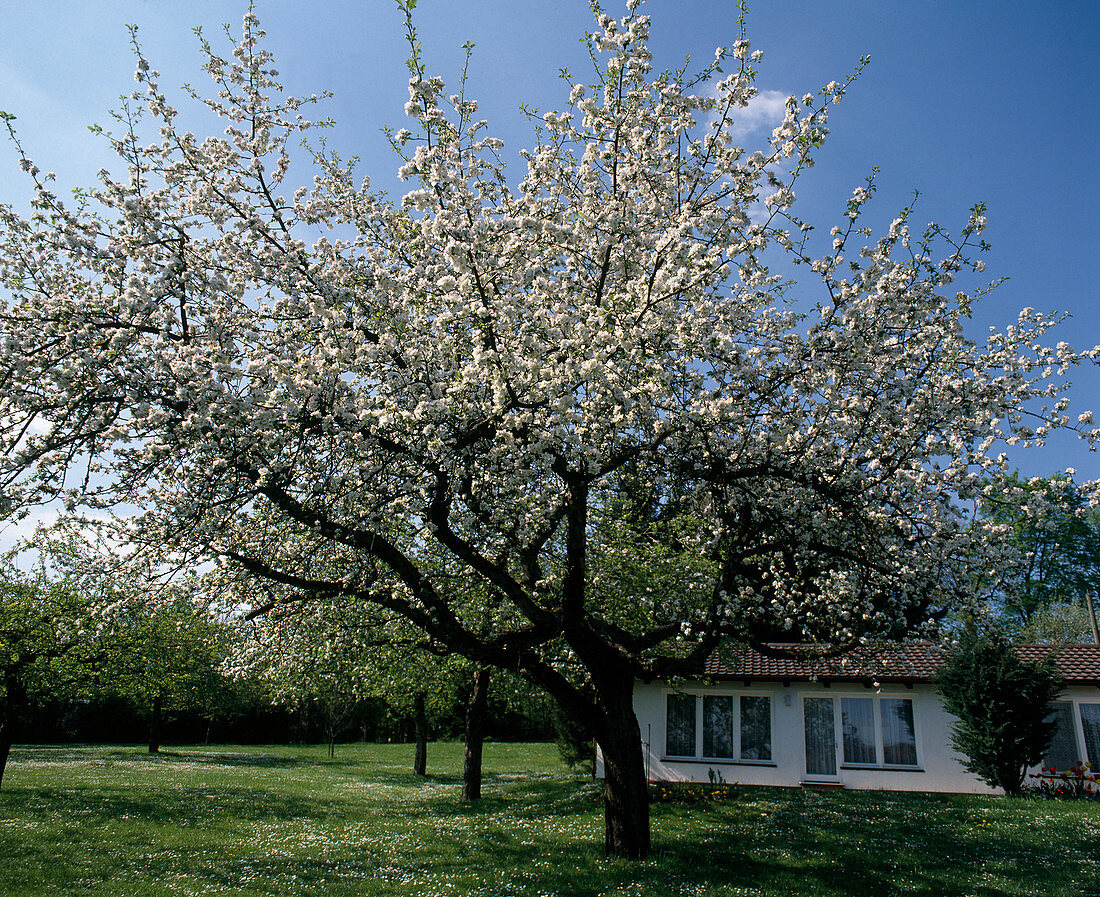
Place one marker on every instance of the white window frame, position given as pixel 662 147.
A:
pixel 699 756
pixel 1078 726
pixel 876 704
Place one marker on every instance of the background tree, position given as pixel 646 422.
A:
pixel 367 400
pixel 162 652
pixel 1066 623
pixel 29 639
pixel 334 655
pixel 1054 536
pixel 48 618
pixel 1003 707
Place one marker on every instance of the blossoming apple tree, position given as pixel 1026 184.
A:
pixel 585 391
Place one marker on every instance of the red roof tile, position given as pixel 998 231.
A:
pixel 1079 664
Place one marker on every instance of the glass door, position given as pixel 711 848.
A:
pixel 820 729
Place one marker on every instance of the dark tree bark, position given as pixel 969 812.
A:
pixel 5 749
pixel 625 791
pixel 420 720
pixel 475 734
pixel 9 717
pixel 155 722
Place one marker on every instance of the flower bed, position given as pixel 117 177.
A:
pixel 691 792
pixel 1075 783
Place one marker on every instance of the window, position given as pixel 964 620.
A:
pixel 1090 725
pixel 680 726
pixel 728 727
pixel 870 731
pixel 718 726
pixel 1067 747
pixel 756 727
pixel 857 722
pixel 1062 752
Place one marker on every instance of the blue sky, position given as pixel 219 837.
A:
pixel 965 101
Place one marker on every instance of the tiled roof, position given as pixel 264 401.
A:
pixel 1079 664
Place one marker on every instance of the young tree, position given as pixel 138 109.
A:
pixel 1003 708
pixel 308 657
pixel 372 401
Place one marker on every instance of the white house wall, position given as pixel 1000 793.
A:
pixel 938 769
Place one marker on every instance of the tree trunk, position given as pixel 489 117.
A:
pixel 5 749
pixel 155 719
pixel 9 716
pixel 475 733
pixel 420 718
pixel 625 791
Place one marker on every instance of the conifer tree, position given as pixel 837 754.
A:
pixel 1002 703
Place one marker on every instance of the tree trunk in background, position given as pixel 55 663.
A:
pixel 475 733
pixel 9 716
pixel 5 749
pixel 420 762
pixel 155 720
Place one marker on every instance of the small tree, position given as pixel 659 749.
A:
pixel 1002 703
pixel 160 652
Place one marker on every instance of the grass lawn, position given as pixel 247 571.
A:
pixel 288 821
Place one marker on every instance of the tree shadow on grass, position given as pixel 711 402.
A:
pixel 139 754
pixel 176 806
pixel 783 844
pixel 531 798
pixel 867 843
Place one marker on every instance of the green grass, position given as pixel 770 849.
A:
pixel 288 821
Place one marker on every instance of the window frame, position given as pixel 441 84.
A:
pixel 699 756
pixel 876 700
pixel 1078 721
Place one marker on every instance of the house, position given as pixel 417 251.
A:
pixel 797 718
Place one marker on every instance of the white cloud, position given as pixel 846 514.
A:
pixel 763 113
pixel 14 531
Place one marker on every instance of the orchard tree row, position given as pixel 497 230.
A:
pixel 92 657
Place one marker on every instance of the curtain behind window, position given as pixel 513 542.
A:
pixel 857 722
pixel 899 744
pixel 756 727
pixel 1090 722
pixel 718 726
pixel 680 726
pixel 820 736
